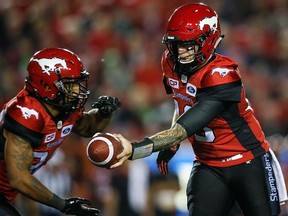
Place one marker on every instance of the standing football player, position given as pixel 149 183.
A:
pixel 234 161
pixel 35 123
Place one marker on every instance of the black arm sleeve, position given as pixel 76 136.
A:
pixel 200 115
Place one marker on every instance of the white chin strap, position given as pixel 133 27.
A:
pixel 217 42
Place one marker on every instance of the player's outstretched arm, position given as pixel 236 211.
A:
pixel 168 138
pixel 160 141
pixel 186 125
pixel 97 119
pixel 18 158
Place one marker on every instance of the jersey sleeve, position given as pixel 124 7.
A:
pixel 32 137
pixel 221 81
pixel 25 121
pixel 224 92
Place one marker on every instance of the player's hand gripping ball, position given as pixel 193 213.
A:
pixel 103 149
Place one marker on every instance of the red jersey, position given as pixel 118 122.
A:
pixel 234 136
pixel 26 117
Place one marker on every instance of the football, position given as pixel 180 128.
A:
pixel 103 149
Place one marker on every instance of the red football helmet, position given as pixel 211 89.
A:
pixel 57 76
pixel 193 24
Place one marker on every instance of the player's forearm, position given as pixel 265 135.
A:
pixel 91 123
pixel 160 141
pixel 32 188
pixel 99 122
pixel 168 138
pixel 186 125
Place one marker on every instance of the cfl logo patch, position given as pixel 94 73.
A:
pixel 174 83
pixel 50 137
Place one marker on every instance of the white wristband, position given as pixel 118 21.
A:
pixel 142 149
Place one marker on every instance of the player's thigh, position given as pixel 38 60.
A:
pixel 207 194
pixel 251 188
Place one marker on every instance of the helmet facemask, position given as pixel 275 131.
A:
pixel 181 67
pixel 72 92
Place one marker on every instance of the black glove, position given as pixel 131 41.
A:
pixel 107 105
pixel 164 157
pixel 78 206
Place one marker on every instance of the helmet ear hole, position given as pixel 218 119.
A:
pixel 47 87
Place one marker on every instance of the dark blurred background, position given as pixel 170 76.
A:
pixel 119 42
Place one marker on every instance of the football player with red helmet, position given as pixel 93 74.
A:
pixel 35 123
pixel 234 161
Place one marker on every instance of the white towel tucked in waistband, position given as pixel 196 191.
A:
pixel 281 187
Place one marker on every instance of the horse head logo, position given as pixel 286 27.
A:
pixel 222 71
pixel 28 113
pixel 49 65
pixel 212 22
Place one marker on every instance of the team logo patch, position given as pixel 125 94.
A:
pixel 191 89
pixel 212 22
pixel 66 130
pixel 49 65
pixel 222 71
pixel 28 113
pixel 174 83
pixel 50 137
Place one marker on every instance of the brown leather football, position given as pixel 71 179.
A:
pixel 103 149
